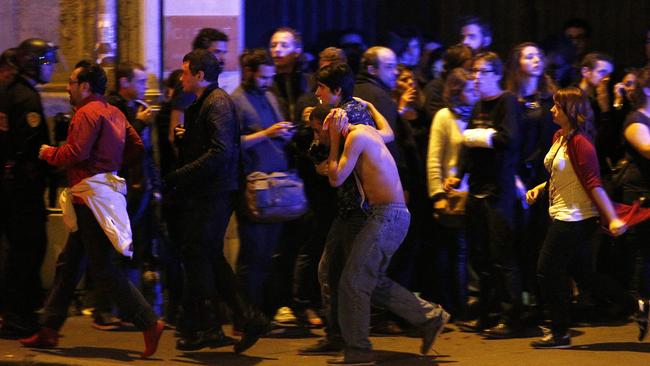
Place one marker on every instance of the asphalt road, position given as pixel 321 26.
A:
pixel 605 344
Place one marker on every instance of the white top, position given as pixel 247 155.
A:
pixel 103 193
pixel 445 141
pixel 568 199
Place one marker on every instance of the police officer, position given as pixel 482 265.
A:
pixel 22 187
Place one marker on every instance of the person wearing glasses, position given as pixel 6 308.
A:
pixel 490 156
pixel 100 140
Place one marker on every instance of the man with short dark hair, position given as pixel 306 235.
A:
pixel 476 33
pixel 290 81
pixel 99 140
pixel 143 179
pixel 596 69
pixel 214 41
pixel 264 138
pixel 379 232
pixel 204 185
pixel 335 85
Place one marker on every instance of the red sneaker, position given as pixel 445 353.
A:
pixel 151 338
pixel 44 338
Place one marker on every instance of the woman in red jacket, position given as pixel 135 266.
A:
pixel 576 201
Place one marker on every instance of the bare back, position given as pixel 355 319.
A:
pixel 375 166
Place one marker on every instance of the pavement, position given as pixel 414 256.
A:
pixel 601 344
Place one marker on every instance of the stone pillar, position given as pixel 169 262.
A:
pixel 106 45
pixel 139 40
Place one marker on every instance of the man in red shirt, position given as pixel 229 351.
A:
pixel 99 140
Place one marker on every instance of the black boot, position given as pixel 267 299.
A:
pixel 212 338
pixel 256 325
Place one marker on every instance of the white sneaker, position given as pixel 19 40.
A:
pixel 284 315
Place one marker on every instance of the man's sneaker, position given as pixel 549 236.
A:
pixel 354 357
pixel 152 338
pixel 284 315
pixel 324 346
pixel 106 321
pixel 643 318
pixel 313 319
pixel 550 340
pixel 44 338
pixel 503 330
pixel 256 326
pixel 213 338
pixel 432 330
pixel 288 331
pixel 470 326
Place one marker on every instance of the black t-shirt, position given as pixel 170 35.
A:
pixel 536 129
pixel 492 170
pixel 637 174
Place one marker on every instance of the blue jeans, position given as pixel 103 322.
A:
pixel 364 277
pixel 343 230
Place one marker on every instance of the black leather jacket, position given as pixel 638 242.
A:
pixel 209 152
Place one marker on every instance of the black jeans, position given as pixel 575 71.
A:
pixel 204 220
pixel 90 241
pixel 449 271
pixel 567 251
pixel 493 256
pixel 259 245
pixel 636 245
pixel 305 288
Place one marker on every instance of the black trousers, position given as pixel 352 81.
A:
pixel 91 242
pixel 638 250
pixel 207 274
pixel 566 253
pixel 22 222
pixel 493 256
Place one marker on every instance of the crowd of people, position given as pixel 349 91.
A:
pixel 439 184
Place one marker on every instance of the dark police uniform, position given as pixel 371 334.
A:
pixel 22 206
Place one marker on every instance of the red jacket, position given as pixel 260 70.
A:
pixel 582 155
pixel 99 140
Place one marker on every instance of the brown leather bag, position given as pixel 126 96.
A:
pixel 275 197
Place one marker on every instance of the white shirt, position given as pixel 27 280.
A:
pixel 568 199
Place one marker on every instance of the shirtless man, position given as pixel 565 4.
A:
pixel 368 254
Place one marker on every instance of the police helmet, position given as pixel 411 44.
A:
pixel 32 53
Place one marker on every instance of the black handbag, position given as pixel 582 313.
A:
pixel 614 183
